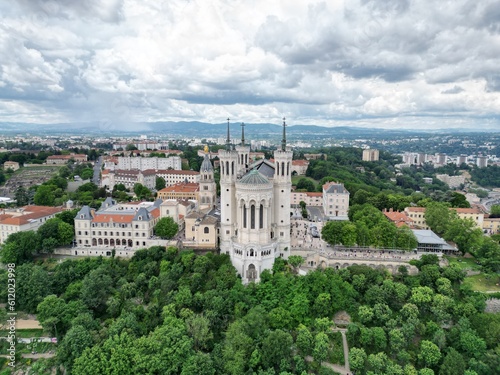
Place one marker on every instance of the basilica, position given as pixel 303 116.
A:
pixel 255 207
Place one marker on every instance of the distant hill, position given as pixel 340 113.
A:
pixel 203 130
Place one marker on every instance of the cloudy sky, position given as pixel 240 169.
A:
pixel 378 63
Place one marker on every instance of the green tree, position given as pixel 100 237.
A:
pixel 320 350
pixel 44 195
pixel 305 340
pixel 357 359
pixel 198 364
pixel 20 247
pixel 76 340
pixel 438 217
pixel 198 328
pixel 32 285
pixel 95 290
pixel 429 353
pixel 453 363
pixel 465 234
pixel 160 183
pixel 349 234
pixel 166 228
pixel 21 196
pixel 276 347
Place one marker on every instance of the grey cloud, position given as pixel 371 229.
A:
pixel 454 90
pixel 106 10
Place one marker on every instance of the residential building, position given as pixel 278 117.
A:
pixel 310 198
pixel 417 214
pixel 182 190
pixel 14 165
pixel 482 161
pixel 145 163
pixel 399 218
pixel 24 219
pixel 64 159
pixel 335 201
pixel 370 154
pixel 491 225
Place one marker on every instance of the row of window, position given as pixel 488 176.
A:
pixel 129 234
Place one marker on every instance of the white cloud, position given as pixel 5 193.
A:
pixel 364 62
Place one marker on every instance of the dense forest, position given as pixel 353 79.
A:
pixel 171 312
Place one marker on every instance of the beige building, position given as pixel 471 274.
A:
pixel 335 201
pixel 491 225
pixel 64 159
pixel 202 230
pixel 24 219
pixel 370 154
pixel 180 191
pixel 417 214
pixel 310 198
pixel 14 165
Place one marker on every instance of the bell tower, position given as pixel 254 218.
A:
pixel 282 186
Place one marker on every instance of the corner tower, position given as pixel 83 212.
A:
pixel 282 184
pixel 228 172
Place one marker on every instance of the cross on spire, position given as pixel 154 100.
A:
pixel 228 139
pixel 243 134
pixel 283 141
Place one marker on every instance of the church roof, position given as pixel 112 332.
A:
pixel 254 177
pixel 206 165
pixel 264 166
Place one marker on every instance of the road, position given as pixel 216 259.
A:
pixel 97 171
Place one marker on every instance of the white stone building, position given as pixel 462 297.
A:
pixel 335 201
pixel 255 208
pixel 143 163
pixel 117 226
pixel 24 219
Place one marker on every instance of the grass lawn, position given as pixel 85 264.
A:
pixel 464 263
pixel 483 283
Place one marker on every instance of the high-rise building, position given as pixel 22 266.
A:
pixel 370 154
pixel 482 161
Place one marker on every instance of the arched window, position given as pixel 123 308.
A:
pixel 227 167
pixel 244 216
pixel 232 168
pixel 252 216
pixel 261 217
pixel 283 168
pixel 206 230
pixel 287 168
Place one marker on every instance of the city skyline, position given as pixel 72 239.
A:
pixel 396 64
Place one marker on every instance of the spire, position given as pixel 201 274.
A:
pixel 243 134
pixel 283 141
pixel 228 140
